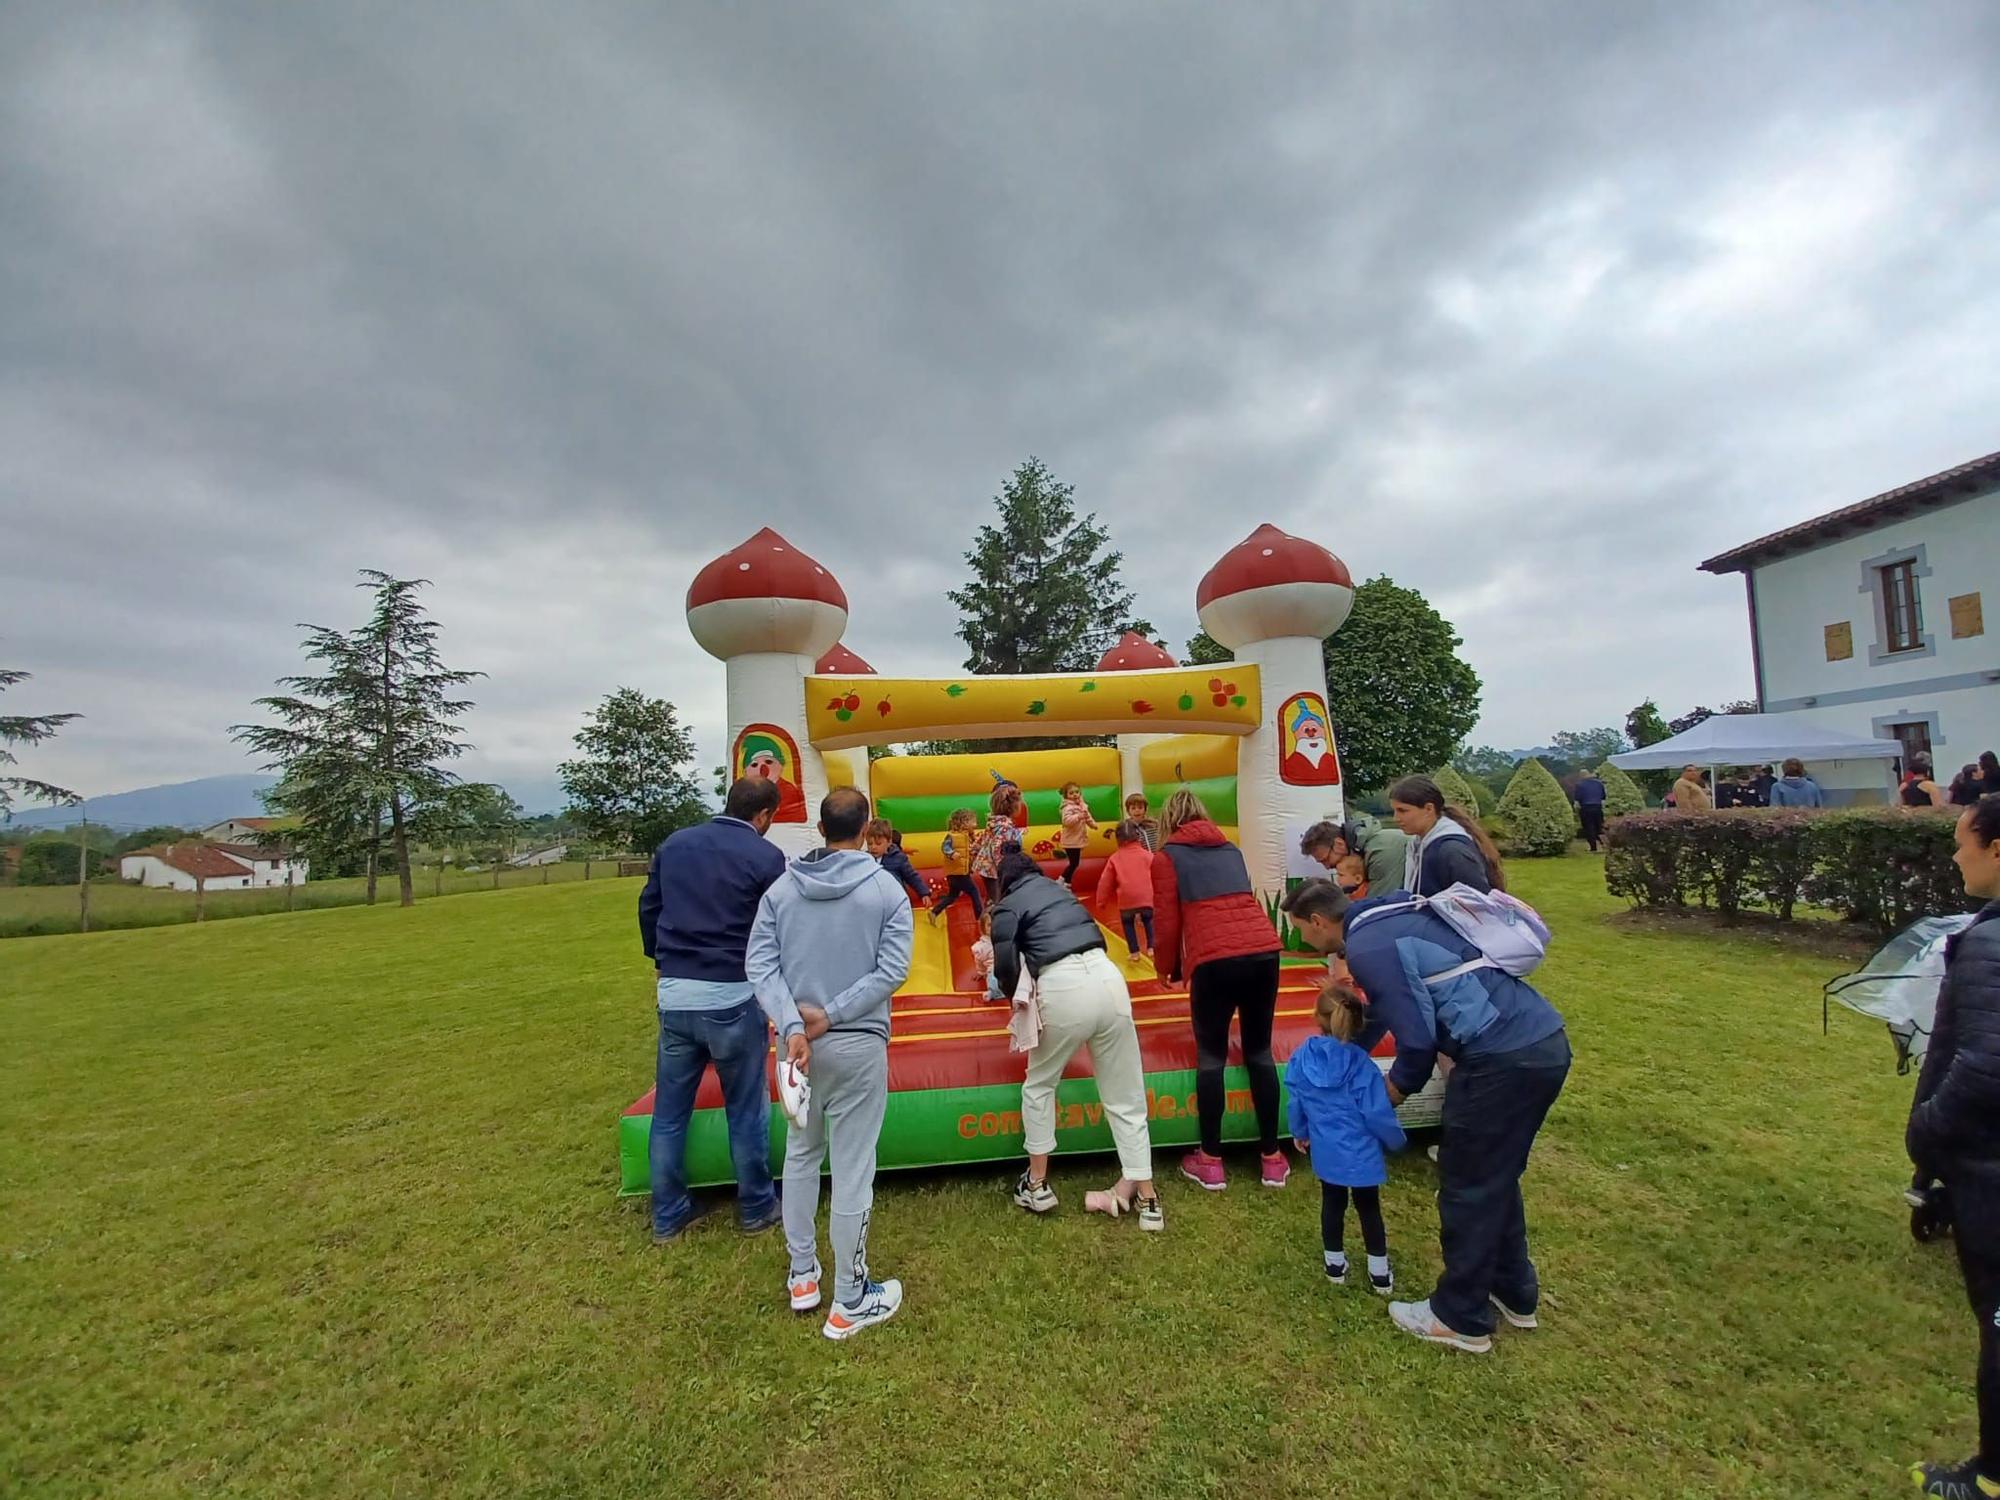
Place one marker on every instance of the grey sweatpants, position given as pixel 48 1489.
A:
pixel 850 1091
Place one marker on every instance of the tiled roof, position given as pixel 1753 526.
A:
pixel 1919 495
pixel 206 861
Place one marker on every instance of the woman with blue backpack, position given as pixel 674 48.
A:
pixel 1436 990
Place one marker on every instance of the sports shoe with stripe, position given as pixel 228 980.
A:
pixel 803 1288
pixel 1418 1319
pixel 1035 1197
pixel 1954 1482
pixel 1151 1216
pixel 878 1303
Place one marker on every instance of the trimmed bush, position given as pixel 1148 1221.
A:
pixel 1457 789
pixel 1879 867
pixel 1622 796
pixel 1535 815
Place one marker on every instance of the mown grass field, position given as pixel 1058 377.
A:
pixel 48 910
pixel 322 1205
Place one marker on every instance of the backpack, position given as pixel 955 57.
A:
pixel 1509 934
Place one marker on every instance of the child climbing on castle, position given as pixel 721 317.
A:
pixel 1077 824
pixel 982 961
pixel 1127 884
pixel 961 835
pixel 1002 833
pixel 1341 1117
pixel 880 836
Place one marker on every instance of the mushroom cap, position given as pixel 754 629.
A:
pixel 1272 584
pixel 765 595
pixel 842 661
pixel 1134 653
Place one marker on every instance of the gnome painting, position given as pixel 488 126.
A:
pixel 1305 744
pixel 767 751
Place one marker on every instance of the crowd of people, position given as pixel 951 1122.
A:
pixel 1755 786
pixel 745 941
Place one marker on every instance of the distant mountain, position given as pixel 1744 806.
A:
pixel 182 804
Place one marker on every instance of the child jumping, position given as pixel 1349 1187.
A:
pixel 1139 815
pixel 1130 876
pixel 1077 823
pixel 880 835
pixel 1002 832
pixel 1341 1116
pixel 960 838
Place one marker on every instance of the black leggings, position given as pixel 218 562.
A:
pixel 1132 919
pixel 1246 987
pixel 1071 859
pixel 1367 1208
pixel 956 886
pixel 1976 1232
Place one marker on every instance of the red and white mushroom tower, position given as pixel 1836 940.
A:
pixel 1273 599
pixel 767 611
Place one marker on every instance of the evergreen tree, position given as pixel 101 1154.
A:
pixel 1457 790
pixel 365 738
pixel 1401 696
pixel 1045 595
pixel 27 729
pixel 1621 792
pixel 632 786
pixel 1537 816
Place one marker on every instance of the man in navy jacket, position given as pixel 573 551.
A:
pixel 695 913
pixel 1510 1055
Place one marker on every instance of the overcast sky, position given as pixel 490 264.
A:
pixel 1531 307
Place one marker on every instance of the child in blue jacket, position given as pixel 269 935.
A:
pixel 1341 1116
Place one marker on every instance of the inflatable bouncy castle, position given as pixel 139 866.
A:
pixel 1253 737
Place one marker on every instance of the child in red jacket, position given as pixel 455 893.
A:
pixel 1128 877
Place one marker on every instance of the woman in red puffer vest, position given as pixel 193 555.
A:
pixel 1211 929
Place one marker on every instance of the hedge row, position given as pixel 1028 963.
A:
pixel 1880 867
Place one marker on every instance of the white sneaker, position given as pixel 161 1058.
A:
pixel 1418 1319
pixel 1035 1197
pixel 878 1304
pixel 1151 1216
pixel 1514 1319
pixel 803 1287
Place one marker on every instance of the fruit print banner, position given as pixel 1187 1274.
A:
pixel 844 711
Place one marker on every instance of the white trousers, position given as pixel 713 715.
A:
pixel 1085 1004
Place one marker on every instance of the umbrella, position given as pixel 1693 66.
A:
pixel 1900 985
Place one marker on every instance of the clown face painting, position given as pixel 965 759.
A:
pixel 766 751
pixel 1305 743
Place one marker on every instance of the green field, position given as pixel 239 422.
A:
pixel 45 910
pixel 323 1205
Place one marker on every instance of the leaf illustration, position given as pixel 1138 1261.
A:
pixel 1038 707
pixel 956 690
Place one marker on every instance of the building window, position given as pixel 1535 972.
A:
pixel 1902 622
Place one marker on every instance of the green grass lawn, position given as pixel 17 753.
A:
pixel 45 910
pixel 322 1204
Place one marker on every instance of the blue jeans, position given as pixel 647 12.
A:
pixel 1493 1106
pixel 736 1041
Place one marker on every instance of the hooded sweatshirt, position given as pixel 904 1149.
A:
pixel 1796 791
pixel 1442 858
pixel 1340 1107
pixel 833 931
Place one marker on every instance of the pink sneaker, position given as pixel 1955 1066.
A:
pixel 1276 1170
pixel 1204 1170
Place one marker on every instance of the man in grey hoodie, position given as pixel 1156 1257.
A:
pixel 829 947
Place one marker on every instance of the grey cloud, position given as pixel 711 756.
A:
pixel 1525 306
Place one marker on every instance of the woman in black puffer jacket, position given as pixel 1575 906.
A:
pixel 1954 1131
pixel 1039 925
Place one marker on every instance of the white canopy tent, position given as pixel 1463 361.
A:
pixel 1755 740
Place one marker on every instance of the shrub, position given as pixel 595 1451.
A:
pixel 1457 789
pixel 1622 796
pixel 1534 812
pixel 1880 867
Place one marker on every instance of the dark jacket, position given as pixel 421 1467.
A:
pixel 897 863
pixel 1955 1122
pixel 1204 906
pixel 1453 859
pixel 701 896
pixel 1340 1108
pixel 1479 1013
pixel 1037 922
pixel 1589 792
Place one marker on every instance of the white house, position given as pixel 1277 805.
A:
pixel 180 866
pixel 239 830
pixel 554 854
pixel 1873 618
pixel 268 866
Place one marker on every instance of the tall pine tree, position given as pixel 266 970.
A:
pixel 1045 595
pixel 365 739
pixel 26 729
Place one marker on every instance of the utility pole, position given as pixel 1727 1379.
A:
pixel 83 871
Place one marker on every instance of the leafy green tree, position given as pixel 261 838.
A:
pixel 368 735
pixel 1621 792
pixel 632 785
pixel 145 838
pixel 477 814
pixel 1045 595
pixel 49 859
pixel 27 729
pixel 1537 817
pixel 1583 747
pixel 1644 726
pixel 1402 697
